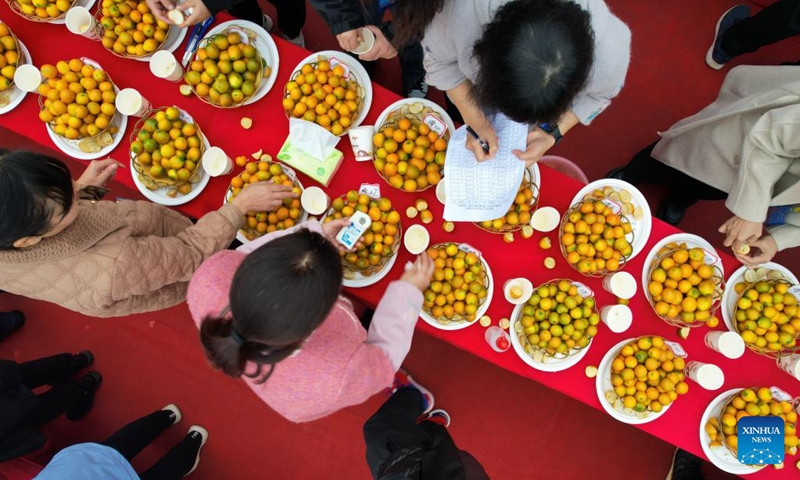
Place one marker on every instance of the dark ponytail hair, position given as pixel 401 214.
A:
pixel 33 188
pixel 411 18
pixel 534 57
pixel 280 294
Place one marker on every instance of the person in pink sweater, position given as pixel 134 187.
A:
pixel 271 313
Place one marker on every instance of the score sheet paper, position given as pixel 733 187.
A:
pixel 479 191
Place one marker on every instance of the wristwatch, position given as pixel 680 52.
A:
pixel 552 130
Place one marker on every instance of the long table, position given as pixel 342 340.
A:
pixel 679 426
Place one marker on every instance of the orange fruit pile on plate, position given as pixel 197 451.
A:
pixel 130 28
pixel 409 155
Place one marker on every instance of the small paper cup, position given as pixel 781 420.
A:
pixel 130 102
pixel 526 288
pixel 707 375
pixel 617 318
pixel 216 162
pixel 315 201
pixel 729 344
pixel 361 140
pixel 163 64
pixel 416 239
pixel 545 219
pixel 368 41
pixel 440 195
pixel 27 78
pixel 621 284
pixel 80 22
pixel 791 365
pixel 493 334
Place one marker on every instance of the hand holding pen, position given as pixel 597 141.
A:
pixel 481 139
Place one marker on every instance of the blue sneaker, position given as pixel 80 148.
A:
pixel 403 379
pixel 716 58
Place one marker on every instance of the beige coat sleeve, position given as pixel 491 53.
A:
pixel 147 263
pixel 787 235
pixel 767 153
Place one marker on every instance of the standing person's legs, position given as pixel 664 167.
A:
pixel 181 460
pixel 643 168
pixel 10 322
pixel 53 369
pixel 414 85
pixel 133 437
pixel 71 397
pixel 393 427
pixel 774 23
pixel 291 16
pixel 248 10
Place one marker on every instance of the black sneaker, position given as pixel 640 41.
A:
pixel 670 213
pixel 418 89
pixel 11 322
pixel 618 173
pixel 90 383
pixel 685 466
pixel 82 360
pixel 716 57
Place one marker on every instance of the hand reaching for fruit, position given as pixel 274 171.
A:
pixel 381 49
pixel 739 232
pixel 767 249
pixel 160 8
pixel 420 273
pixel 98 173
pixel 199 12
pixel 262 197
pixel 332 228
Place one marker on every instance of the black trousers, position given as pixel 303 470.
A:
pixel 776 22
pixel 684 190
pixel 135 436
pixel 66 395
pixel 291 14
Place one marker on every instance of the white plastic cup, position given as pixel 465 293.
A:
pixel 315 201
pixel 495 333
pixel 707 375
pixel 27 78
pixel 617 318
pixel 729 344
pixel 524 284
pixel 216 162
pixel 367 42
pixel 130 102
pixel 621 284
pixel 440 194
pixel 545 219
pixel 163 64
pixel 80 22
pixel 361 140
pixel 791 365
pixel 416 239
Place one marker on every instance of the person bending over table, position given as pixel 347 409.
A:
pixel 291 14
pixel 744 148
pixel 104 258
pixel 549 63
pixel 272 313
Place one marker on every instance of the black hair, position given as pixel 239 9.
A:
pixel 33 188
pixel 534 57
pixel 411 18
pixel 279 295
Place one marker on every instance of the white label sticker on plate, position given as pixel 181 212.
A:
pixel 676 348
pixel 795 290
pixel 614 206
pixel 583 290
pixel 372 190
pixel 710 258
pixel 289 171
pixel 335 61
pixel 435 123
pixel 469 249
pixel 779 394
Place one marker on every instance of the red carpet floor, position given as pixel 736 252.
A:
pixel 515 427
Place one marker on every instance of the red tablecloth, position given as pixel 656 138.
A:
pixel 679 426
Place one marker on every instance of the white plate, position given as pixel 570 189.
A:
pixel 362 77
pixel 70 147
pixel 729 296
pixel 14 94
pixel 160 196
pixel 641 228
pixel 87 4
pixel 603 384
pixel 481 310
pixel 361 281
pixel 398 104
pixel 691 241
pixel 303 215
pixel 721 457
pixel 266 48
pixel 552 364
pixel 174 39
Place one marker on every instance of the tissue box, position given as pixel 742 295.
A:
pixel 320 170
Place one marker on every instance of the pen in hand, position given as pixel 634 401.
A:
pixel 484 145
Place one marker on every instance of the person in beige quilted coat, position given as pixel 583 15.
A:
pixel 104 258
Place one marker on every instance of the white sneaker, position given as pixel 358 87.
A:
pixel 299 40
pixel 203 439
pixel 175 411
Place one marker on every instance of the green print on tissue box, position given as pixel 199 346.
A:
pixel 319 170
